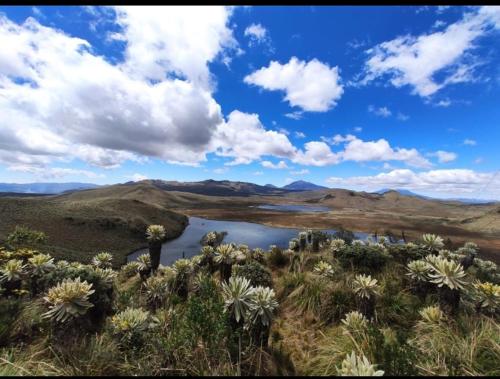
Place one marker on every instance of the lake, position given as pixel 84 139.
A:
pixel 293 208
pixel 248 233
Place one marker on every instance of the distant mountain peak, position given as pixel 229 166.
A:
pixel 302 185
pixel 45 188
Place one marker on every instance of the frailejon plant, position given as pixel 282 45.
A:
pixel 131 325
pixel 324 269
pixel 183 269
pixel 258 255
pixel 418 271
pixel 293 244
pixel 432 242
pixel 130 269
pixel 237 294
pixel 106 276
pixel 432 315
pixel 155 235
pixel 225 259
pixel 354 322
pixel 354 365
pixel 156 291
pixel 260 313
pixel 302 241
pixel 239 256
pixel 11 274
pixel 68 300
pixel 366 288
pixel 208 253
pixel 39 265
pixel 337 245
pixel 211 239
pixel 103 260
pixel 449 277
pixel 144 261
pixel 487 297
pixel 469 252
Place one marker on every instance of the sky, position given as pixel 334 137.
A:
pixel 358 97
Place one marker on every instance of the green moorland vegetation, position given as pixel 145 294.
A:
pixel 325 306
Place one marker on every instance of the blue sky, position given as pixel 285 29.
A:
pixel 352 97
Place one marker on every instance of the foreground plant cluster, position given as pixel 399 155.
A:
pixel 324 306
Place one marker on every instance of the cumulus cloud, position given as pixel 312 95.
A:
pixel 244 138
pixel 179 40
pixel 58 99
pixel 256 33
pixel 456 181
pixel 361 151
pixel 444 156
pixel 269 164
pixel 416 60
pixel 313 86
pixel 316 154
pixel 382 111
pixel 358 150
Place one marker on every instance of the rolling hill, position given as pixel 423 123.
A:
pixel 217 188
pixel 114 217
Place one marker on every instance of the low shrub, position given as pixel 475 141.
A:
pixel 255 272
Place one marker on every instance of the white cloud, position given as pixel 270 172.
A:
pixel 138 177
pixel 269 164
pixel 402 117
pixel 415 61
pixel 180 40
pixel 59 100
pixel 338 139
pixel 257 34
pixel 443 103
pixel 258 173
pixel 361 151
pixel 299 135
pixel 54 172
pixel 443 156
pixel 358 129
pixel 304 171
pixel 316 154
pixel 382 111
pixel 313 86
pixel 387 166
pixel 457 181
pixel 245 139
pixel 470 142
pixel 297 115
pixel 221 170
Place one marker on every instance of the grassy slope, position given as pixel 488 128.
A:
pixel 82 223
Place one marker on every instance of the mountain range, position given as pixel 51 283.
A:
pixel 44 188
pixel 460 199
